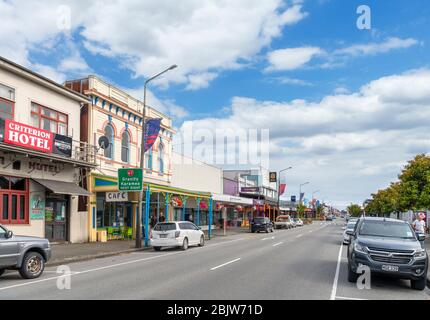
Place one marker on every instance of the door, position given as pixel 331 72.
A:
pixel 56 220
pixel 9 251
pixel 194 233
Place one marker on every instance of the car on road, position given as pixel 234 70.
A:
pixel 329 218
pixel 28 255
pixel 298 222
pixel 180 234
pixel 284 222
pixel 349 227
pixel 262 224
pixel 389 247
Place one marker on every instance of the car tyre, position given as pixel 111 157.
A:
pixel 202 241
pixel 352 276
pixel 1 272
pixel 157 248
pixel 185 245
pixel 419 284
pixel 32 266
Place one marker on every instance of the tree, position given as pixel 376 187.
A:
pixel 415 184
pixel 354 210
pixel 385 201
pixel 301 210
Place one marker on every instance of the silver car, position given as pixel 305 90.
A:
pixel 28 255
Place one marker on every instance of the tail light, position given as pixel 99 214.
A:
pixel 177 234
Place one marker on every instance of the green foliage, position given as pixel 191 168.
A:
pixel 412 192
pixel 354 210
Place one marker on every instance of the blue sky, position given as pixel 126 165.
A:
pixel 338 100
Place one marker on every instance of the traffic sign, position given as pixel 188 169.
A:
pixel 130 180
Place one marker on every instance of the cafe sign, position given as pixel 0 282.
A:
pixel 116 196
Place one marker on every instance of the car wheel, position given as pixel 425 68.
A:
pixel 202 241
pixel 419 284
pixel 352 276
pixel 157 248
pixel 267 230
pixel 1 272
pixel 185 244
pixel 32 266
pixel 252 231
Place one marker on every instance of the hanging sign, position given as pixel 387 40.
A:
pixel 28 137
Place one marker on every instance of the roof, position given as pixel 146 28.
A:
pixel 42 80
pixel 382 219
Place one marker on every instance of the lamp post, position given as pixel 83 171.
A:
pixel 300 194
pixel 142 163
pixel 315 205
pixel 279 188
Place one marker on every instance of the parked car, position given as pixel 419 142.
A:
pixel 28 255
pixel 349 227
pixel 180 234
pixel 329 218
pixel 284 222
pixel 298 222
pixel 262 224
pixel 389 247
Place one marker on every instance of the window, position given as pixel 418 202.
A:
pixel 161 158
pixel 109 133
pixel 2 232
pixel 149 159
pixel 47 119
pixel 7 102
pixel 14 197
pixel 125 147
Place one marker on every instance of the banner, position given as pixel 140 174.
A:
pixel 62 146
pixel 282 189
pixel 37 206
pixel 152 129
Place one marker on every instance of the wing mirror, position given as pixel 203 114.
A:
pixel 350 232
pixel 421 237
pixel 9 234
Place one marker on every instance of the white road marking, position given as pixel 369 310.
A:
pixel 346 298
pixel 110 266
pixel 271 238
pixel 278 244
pixel 299 236
pixel 336 277
pixel 225 264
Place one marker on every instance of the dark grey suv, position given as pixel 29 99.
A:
pixel 390 247
pixel 26 254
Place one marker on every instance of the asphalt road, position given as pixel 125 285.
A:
pixel 304 263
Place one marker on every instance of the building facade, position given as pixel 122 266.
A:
pixel 42 159
pixel 114 114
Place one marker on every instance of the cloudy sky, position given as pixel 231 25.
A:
pixel 345 107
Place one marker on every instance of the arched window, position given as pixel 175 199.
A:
pixel 125 147
pixel 109 133
pixel 161 158
pixel 149 159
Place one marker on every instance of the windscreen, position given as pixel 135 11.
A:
pixel 386 229
pixel 165 227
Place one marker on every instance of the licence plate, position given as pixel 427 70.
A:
pixel 163 236
pixel 390 268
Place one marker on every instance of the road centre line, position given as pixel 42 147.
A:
pixel 225 264
pixel 278 244
pixel 336 276
pixel 346 298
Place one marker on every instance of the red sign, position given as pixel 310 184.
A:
pixel 28 137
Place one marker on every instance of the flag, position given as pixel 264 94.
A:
pixel 302 195
pixel 152 129
pixel 282 189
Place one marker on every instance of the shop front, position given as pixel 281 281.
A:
pixel 236 211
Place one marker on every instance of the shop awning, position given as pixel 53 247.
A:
pixel 60 187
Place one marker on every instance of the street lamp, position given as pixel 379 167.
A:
pixel 300 194
pixel 142 163
pixel 279 188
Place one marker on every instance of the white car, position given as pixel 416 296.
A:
pixel 176 234
pixel 349 227
pixel 298 222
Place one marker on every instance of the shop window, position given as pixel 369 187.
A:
pixel 109 133
pixel 48 119
pixel 125 147
pixel 161 158
pixel 149 159
pixel 14 197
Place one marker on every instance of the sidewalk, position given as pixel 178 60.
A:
pixel 68 253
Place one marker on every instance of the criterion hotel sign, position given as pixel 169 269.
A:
pixel 28 137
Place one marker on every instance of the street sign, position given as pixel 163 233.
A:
pixel 250 189
pixel 273 177
pixel 130 180
pixel 116 197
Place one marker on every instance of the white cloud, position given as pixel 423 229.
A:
pixel 200 80
pixel 291 58
pixel 293 81
pixel 376 48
